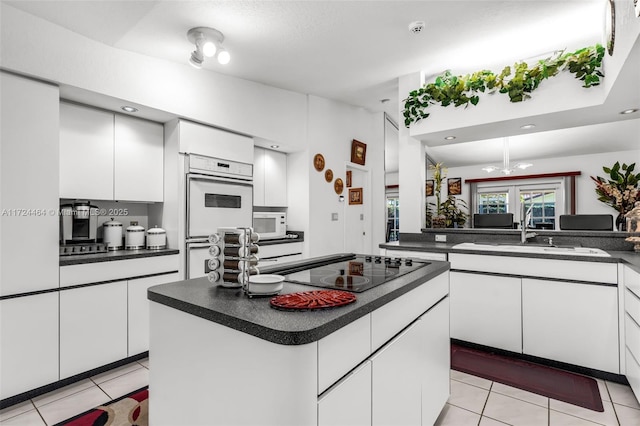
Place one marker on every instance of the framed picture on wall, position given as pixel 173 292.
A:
pixel 355 195
pixel 358 152
pixel 454 186
pixel 348 178
pixel 429 187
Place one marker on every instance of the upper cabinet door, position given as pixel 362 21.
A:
pixel 86 153
pixel 258 176
pixel 139 160
pixel 275 178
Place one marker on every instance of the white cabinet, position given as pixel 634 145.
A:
pixel 396 380
pixel 349 401
pixel 107 156
pixel 139 160
pixel 93 327
pixel 269 178
pixel 571 322
pixel 632 328
pixel 138 310
pixel 29 114
pixel 279 253
pixel 485 309
pixel 436 361
pixel 29 349
pixel 86 153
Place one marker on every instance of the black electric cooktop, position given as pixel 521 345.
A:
pixel 358 274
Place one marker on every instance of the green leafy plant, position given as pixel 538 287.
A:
pixel 620 189
pixel 518 83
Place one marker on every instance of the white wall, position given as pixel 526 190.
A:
pixel 35 47
pixel 332 127
pixel 589 165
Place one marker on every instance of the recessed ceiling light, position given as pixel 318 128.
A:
pixel 275 146
pixel 528 126
pixel 449 138
pixel 128 108
pixel 629 111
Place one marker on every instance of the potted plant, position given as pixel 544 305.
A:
pixel 455 217
pixel 439 220
pixel 619 191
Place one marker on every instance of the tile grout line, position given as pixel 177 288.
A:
pixel 485 404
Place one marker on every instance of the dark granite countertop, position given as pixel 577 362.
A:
pixel 230 307
pixel 630 258
pixel 114 255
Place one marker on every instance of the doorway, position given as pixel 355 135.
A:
pixel 357 212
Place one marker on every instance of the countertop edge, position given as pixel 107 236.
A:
pixel 114 256
pixel 298 337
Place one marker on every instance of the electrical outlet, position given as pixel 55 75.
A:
pixel 441 238
pixel 361 216
pixel 334 216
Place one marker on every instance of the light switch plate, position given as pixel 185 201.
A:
pixel 441 238
pixel 334 216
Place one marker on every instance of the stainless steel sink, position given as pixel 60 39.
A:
pixel 529 248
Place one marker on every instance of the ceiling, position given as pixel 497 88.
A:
pixel 351 51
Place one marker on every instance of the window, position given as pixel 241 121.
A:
pixel 546 196
pixel 544 206
pixel 393 218
pixel 493 202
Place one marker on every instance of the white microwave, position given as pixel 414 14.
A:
pixel 270 225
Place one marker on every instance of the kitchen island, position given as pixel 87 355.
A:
pixel 219 357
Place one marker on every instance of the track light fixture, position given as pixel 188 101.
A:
pixel 208 42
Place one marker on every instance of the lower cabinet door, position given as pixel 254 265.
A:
pixel 349 401
pixel 138 310
pixel 397 379
pixel 436 347
pixel 93 327
pixel 29 349
pixel 486 309
pixel 571 322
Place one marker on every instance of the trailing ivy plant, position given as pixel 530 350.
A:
pixel 517 82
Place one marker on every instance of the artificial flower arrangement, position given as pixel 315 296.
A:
pixel 620 191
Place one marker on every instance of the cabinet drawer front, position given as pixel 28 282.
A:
pixel 349 403
pixel 388 320
pixel 633 373
pixel 632 305
pixel 632 280
pixel 340 351
pixel 598 272
pixel 632 336
pixel 279 249
pixel 121 269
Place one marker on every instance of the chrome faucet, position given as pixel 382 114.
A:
pixel 525 218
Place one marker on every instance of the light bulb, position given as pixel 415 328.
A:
pixel 223 56
pixel 196 59
pixel 209 49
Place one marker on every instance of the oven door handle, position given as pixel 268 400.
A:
pixel 220 179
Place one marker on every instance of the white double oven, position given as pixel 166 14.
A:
pixel 219 194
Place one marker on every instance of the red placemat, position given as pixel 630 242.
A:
pixel 313 300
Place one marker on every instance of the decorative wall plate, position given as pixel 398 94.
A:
pixel 338 186
pixel 318 162
pixel 328 175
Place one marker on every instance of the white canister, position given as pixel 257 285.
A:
pixel 112 234
pixel 134 238
pixel 156 238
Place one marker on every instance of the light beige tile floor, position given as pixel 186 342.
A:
pixel 64 403
pixel 474 401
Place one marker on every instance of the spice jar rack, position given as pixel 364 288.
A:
pixel 234 257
